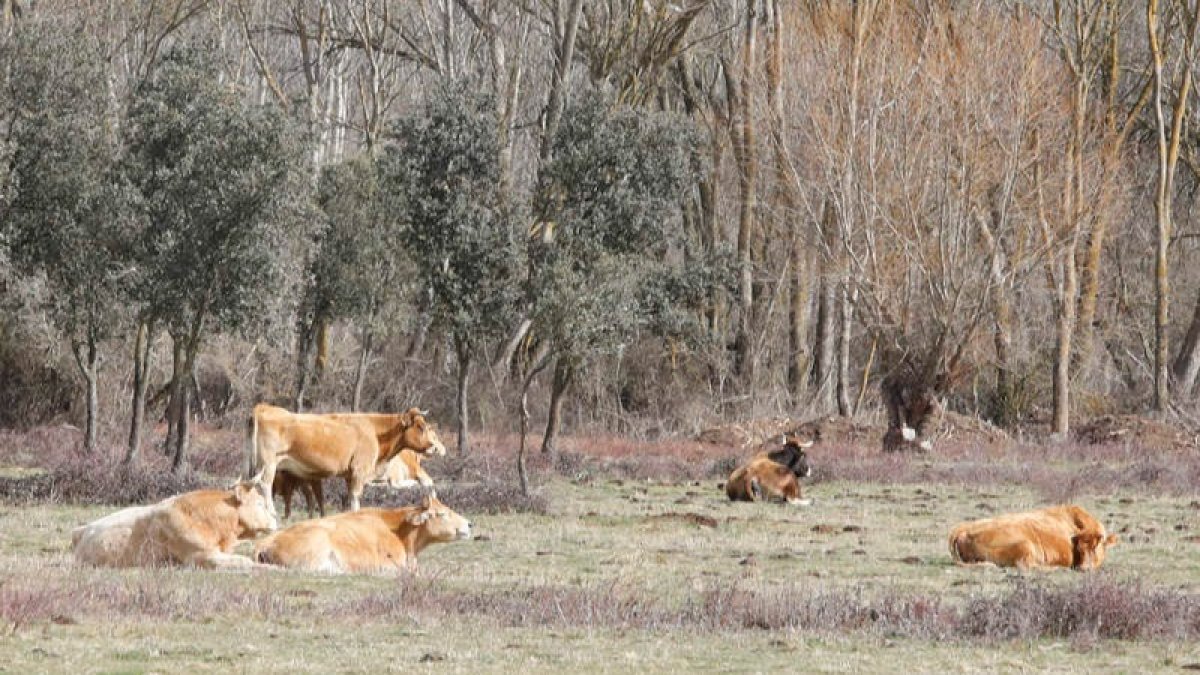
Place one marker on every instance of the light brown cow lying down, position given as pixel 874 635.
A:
pixel 1059 536
pixel 762 479
pixel 196 528
pixel 402 471
pixel 366 541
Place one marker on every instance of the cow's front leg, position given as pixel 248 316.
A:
pixel 355 488
pixel 268 483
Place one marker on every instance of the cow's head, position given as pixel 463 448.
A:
pixel 1090 548
pixel 793 455
pixel 253 509
pixel 419 434
pixel 439 521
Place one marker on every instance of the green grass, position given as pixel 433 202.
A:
pixel 636 537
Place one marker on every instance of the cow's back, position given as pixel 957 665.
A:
pixel 116 540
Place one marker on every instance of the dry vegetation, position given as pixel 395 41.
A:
pixel 623 557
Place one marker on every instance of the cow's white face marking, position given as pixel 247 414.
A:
pixel 908 433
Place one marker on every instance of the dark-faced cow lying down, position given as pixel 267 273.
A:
pixel 772 474
pixel 367 541
pixel 1059 536
pixel 196 528
pixel 402 471
pixel 353 446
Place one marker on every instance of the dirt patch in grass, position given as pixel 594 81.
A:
pixel 684 517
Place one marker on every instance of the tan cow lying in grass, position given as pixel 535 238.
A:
pixel 196 528
pixel 1059 536
pixel 772 474
pixel 350 445
pixel 402 471
pixel 366 541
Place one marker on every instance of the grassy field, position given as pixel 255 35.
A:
pixel 623 574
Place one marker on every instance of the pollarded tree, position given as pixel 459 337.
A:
pixel 225 196
pixel 608 208
pixel 72 217
pixel 443 171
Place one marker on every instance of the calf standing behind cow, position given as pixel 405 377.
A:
pixel 367 541
pixel 402 471
pixel 772 474
pixel 1059 536
pixel 196 528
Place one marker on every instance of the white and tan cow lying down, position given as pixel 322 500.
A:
pixel 402 471
pixel 196 528
pixel 772 474
pixel 375 541
pixel 352 446
pixel 1059 536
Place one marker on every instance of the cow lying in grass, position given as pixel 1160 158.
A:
pixel 196 528
pixel 366 541
pixel 1059 536
pixel 772 474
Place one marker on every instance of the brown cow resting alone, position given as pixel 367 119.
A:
pixel 353 446
pixel 197 528
pixel 366 541
pixel 1059 536
pixel 772 474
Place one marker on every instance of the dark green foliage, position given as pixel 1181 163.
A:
pixel 223 188
pixel 358 261
pixel 72 216
pixel 444 171
pixel 606 261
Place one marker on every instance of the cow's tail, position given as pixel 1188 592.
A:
pixel 252 444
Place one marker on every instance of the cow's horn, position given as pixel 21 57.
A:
pixel 424 413
pixel 805 444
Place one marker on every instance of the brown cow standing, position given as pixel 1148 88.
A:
pixel 1059 536
pixel 315 447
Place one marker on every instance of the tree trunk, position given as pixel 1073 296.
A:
pixel 504 359
pixel 522 472
pixel 417 343
pixel 141 362
pixel 745 147
pixel 566 28
pixel 826 340
pixel 305 336
pixel 799 354
pixel 1168 156
pixel 182 427
pixel 563 373
pixel 360 373
pixel 1064 334
pixel 178 380
pixel 844 385
pixel 463 351
pixel 1187 362
pixel 86 359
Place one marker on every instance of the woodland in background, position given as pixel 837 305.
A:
pixel 631 215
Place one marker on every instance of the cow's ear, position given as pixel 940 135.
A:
pixel 240 492
pixel 1111 540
